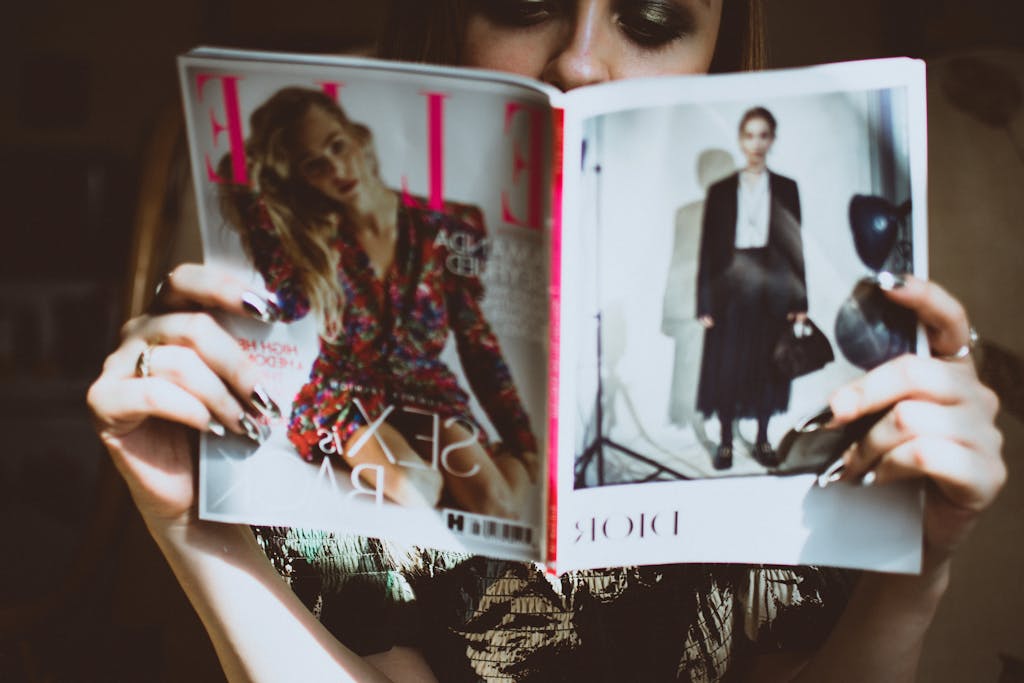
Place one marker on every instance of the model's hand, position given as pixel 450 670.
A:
pixel 706 321
pixel 173 373
pixel 797 316
pixel 940 423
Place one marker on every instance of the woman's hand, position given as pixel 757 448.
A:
pixel 940 422
pixel 146 404
pixel 175 371
pixel 706 321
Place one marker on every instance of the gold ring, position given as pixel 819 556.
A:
pixel 143 367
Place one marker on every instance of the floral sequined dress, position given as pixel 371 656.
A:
pixel 395 327
pixel 483 620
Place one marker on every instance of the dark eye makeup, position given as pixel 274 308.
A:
pixel 655 23
pixel 647 23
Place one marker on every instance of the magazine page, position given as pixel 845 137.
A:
pixel 723 260
pixel 396 219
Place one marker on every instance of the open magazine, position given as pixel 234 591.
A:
pixel 585 328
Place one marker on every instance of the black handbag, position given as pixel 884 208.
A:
pixel 801 349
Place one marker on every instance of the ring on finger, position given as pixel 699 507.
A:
pixel 965 349
pixel 143 364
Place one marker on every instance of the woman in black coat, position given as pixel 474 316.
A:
pixel 750 287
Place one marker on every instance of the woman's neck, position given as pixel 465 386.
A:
pixel 375 212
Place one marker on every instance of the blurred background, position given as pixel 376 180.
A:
pixel 89 110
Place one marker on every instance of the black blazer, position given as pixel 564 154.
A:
pixel 718 238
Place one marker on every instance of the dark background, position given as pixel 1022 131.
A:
pixel 84 595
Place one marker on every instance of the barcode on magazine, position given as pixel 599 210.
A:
pixel 467 524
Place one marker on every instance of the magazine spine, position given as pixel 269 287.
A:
pixel 554 332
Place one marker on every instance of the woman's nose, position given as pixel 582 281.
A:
pixel 338 165
pixel 583 56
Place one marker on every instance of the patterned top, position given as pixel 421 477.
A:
pixel 394 329
pixel 479 619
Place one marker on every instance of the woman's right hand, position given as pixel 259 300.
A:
pixel 196 372
pixel 199 378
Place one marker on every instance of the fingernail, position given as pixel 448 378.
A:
pixel 216 428
pixel 887 281
pixel 261 401
pixel 815 422
pixel 844 402
pixel 159 289
pixel 259 307
pixel 868 479
pixel 155 304
pixel 255 431
pixel 832 473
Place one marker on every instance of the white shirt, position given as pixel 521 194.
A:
pixel 752 202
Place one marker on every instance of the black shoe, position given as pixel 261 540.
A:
pixel 723 458
pixel 765 455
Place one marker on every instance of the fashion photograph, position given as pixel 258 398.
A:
pixel 783 221
pixel 390 385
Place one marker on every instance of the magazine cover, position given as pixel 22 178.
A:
pixel 398 219
pixel 729 260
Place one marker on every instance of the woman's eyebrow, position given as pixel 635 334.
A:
pixel 330 137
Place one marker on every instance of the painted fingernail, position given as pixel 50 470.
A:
pixel 815 422
pixel 260 308
pixel 869 479
pixel 159 289
pixel 887 281
pixel 832 473
pixel 156 303
pixel 260 400
pixel 256 432
pixel 217 428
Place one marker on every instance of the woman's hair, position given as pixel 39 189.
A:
pixel 758 113
pixel 433 31
pixel 299 215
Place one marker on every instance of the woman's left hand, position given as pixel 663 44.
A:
pixel 940 422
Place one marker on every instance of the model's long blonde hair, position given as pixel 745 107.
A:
pixel 433 31
pixel 303 220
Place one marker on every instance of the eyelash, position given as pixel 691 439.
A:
pixel 651 24
pixel 655 24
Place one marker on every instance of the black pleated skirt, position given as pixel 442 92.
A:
pixel 753 297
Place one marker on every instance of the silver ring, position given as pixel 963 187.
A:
pixel 143 367
pixel 966 349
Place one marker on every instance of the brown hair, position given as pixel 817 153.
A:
pixel 432 31
pixel 758 113
pixel 300 217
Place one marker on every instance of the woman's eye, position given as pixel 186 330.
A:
pixel 517 12
pixel 656 23
pixel 337 146
pixel 315 167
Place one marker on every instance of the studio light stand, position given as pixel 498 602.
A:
pixel 594 452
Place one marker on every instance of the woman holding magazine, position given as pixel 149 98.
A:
pixel 363 610
pixel 332 240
